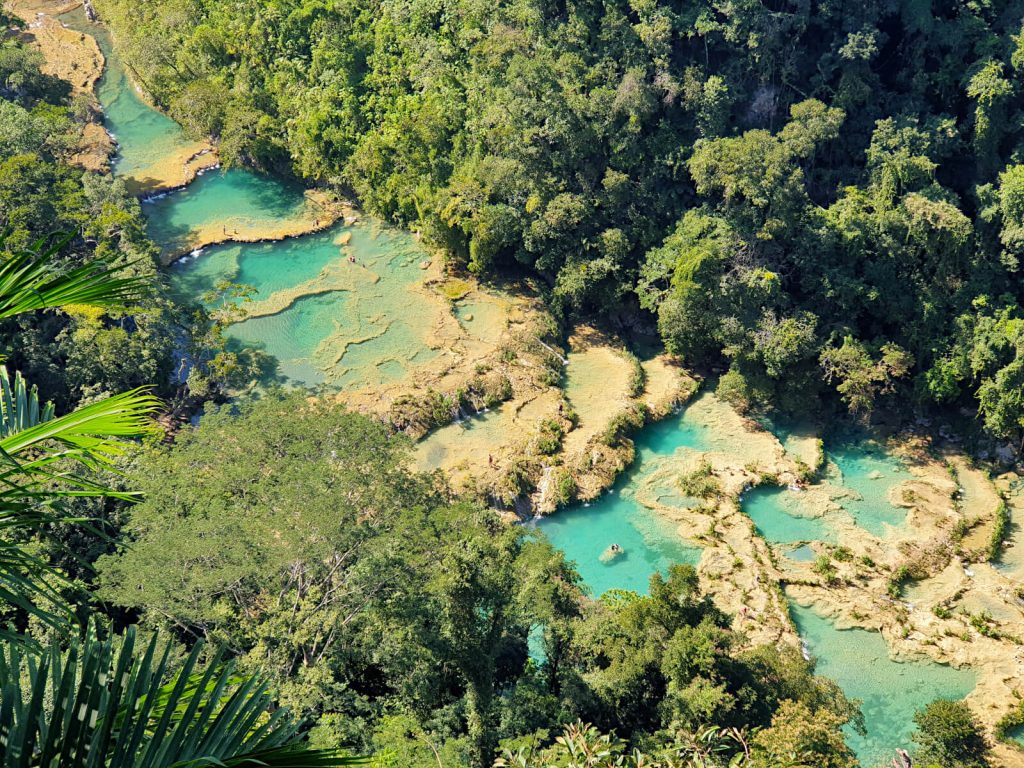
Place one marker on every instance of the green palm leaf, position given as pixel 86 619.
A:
pixel 19 405
pixel 114 703
pixel 32 279
pixel 38 451
pixel 101 702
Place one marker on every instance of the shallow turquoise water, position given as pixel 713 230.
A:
pixel 869 471
pixel 138 128
pixel 890 692
pixel 801 554
pixel 1017 734
pixel 773 511
pixel 376 338
pixel 224 201
pixel 369 334
pixel 651 543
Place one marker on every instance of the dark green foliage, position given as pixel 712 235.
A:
pixel 1000 530
pixel 813 196
pixel 948 735
pixel 118 703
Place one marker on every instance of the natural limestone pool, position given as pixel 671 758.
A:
pixel 890 692
pixel 148 140
pixel 337 308
pixel 332 321
pixel 222 204
pixel 857 659
pixel 778 516
pixel 869 472
pixel 650 543
pixel 327 320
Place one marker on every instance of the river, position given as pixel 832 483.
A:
pixel 344 307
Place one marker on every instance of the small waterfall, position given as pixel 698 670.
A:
pixel 523 507
pixel 544 486
pixel 553 351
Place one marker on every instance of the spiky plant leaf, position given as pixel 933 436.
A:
pixel 19 405
pixel 33 279
pixel 113 702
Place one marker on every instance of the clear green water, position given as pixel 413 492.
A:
pixel 223 202
pixel 1017 734
pixel 869 471
pixel 371 333
pixel 890 692
pixel 775 512
pixel 801 554
pixel 142 132
pixel 650 543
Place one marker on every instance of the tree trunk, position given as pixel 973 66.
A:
pixel 479 698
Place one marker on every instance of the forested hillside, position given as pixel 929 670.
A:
pixel 824 197
pixel 43 195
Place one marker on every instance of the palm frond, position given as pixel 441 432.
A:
pixel 32 279
pixel 87 432
pixel 112 703
pixel 37 471
pixel 19 405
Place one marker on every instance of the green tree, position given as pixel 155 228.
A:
pixel 83 703
pixel 949 735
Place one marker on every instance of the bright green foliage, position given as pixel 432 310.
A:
pixel 290 530
pixel 860 376
pixel 40 451
pixel 767 181
pixel 668 661
pixel 948 735
pixel 799 737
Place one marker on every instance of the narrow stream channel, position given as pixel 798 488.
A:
pixel 341 321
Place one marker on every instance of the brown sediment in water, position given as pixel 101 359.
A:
pixel 661 385
pixel 483 444
pixel 979 501
pixel 592 459
pixel 947 578
pixel 463 362
pixel 174 169
pixel 744 573
pixel 320 211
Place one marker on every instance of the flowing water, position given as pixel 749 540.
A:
pixel 219 204
pixel 144 135
pixel 890 692
pixel 329 320
pixel 857 659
